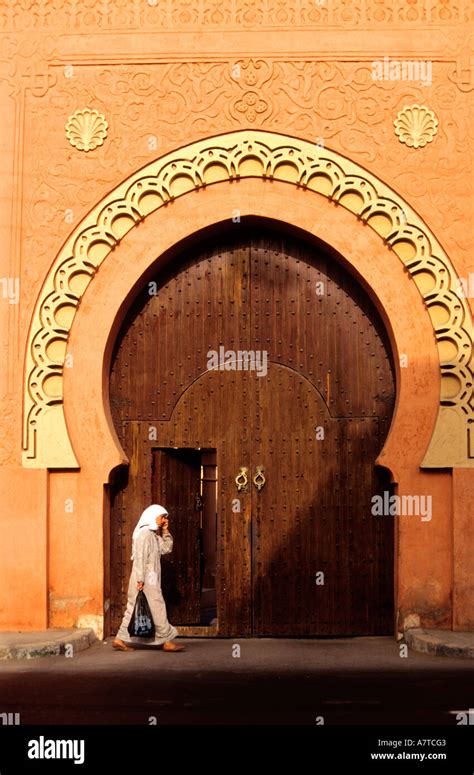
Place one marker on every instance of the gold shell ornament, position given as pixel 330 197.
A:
pixel 416 125
pixel 86 129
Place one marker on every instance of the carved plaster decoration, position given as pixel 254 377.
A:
pixel 416 125
pixel 218 14
pixel 86 129
pixel 226 158
pixel 171 104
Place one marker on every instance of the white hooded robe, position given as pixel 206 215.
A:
pixel 148 547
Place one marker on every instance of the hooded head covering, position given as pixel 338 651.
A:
pixel 147 520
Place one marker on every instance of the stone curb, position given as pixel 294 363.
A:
pixel 441 643
pixel 79 639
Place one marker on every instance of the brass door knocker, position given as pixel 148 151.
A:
pixel 259 478
pixel 242 480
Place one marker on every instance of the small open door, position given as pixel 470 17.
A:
pixel 180 484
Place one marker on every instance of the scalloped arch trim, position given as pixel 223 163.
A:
pixel 228 157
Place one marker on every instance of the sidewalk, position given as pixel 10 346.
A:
pixel 441 643
pixel 45 643
pixel 29 645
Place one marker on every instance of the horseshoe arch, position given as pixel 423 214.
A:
pixel 230 157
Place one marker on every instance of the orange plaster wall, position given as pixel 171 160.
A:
pixel 178 88
pixel 23 549
pixel 425 574
pixel 76 562
pixel 463 549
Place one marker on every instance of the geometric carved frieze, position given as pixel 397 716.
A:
pixel 229 157
pixel 210 14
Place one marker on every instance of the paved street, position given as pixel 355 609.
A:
pixel 345 681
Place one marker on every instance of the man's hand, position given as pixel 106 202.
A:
pixel 165 525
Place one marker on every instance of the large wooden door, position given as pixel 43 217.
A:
pixel 298 551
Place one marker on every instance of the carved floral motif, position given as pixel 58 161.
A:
pixel 86 129
pixel 416 125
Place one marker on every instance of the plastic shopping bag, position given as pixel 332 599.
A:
pixel 141 624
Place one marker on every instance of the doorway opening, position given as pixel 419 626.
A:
pixel 184 481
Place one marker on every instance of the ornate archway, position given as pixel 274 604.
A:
pixel 230 157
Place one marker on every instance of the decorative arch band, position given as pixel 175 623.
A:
pixel 229 157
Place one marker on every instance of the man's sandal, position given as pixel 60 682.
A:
pixel 119 645
pixel 172 647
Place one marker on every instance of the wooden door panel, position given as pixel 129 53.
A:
pixel 312 316
pixel 160 380
pixel 164 342
pixel 330 370
pixel 225 430
pixel 312 516
pixel 176 482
